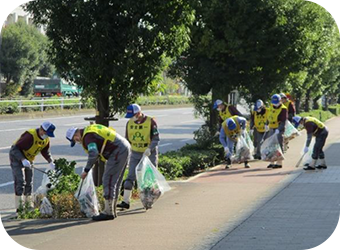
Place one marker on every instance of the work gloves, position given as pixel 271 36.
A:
pixel 266 128
pixel 277 131
pixel 52 166
pixel 26 163
pixel 147 152
pixel 305 150
pixel 251 132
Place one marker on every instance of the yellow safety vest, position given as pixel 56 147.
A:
pixel 139 135
pixel 287 103
pixel 232 134
pixel 108 134
pixel 316 121
pixel 225 114
pixel 260 121
pixel 38 145
pixel 273 115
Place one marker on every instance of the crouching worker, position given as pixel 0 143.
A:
pixel 22 155
pixel 143 134
pixel 232 128
pixel 102 142
pixel 316 128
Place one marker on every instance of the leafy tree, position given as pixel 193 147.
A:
pixel 22 53
pixel 113 49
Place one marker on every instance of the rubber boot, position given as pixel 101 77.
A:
pixel 19 202
pixel 29 202
pixel 107 213
pixel 125 204
pixel 311 166
pixel 114 208
pixel 322 164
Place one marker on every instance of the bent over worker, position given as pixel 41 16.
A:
pixel 225 111
pixel 22 155
pixel 316 128
pixel 143 134
pixel 257 125
pixel 277 116
pixel 102 142
pixel 232 128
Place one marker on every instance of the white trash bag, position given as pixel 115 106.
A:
pixel 151 183
pixel 271 149
pixel 46 207
pixel 45 186
pixel 87 196
pixel 244 150
pixel 290 131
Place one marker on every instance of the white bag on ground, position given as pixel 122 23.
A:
pixel 151 183
pixel 87 196
pixel 46 207
pixel 45 184
pixel 307 158
pixel 244 150
pixel 271 149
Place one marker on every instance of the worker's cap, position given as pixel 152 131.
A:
pixel 216 103
pixel 296 121
pixel 231 124
pixel 283 95
pixel 69 135
pixel 276 99
pixel 48 128
pixel 132 109
pixel 258 105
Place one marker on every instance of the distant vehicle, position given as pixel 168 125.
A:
pixel 48 87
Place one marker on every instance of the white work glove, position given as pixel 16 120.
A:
pixel 52 166
pixel 277 131
pixel 266 128
pixel 26 163
pixel 147 152
pixel 227 152
pixel 251 131
pixel 305 150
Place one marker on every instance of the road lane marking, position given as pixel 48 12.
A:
pixel 191 121
pixel 72 124
pixel 186 140
pixel 44 119
pixel 7 184
pixel 166 144
pixel 5 147
pixel 13 129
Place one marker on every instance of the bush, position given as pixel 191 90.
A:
pixel 334 109
pixel 319 114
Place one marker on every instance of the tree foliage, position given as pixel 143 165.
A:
pixel 22 54
pixel 113 49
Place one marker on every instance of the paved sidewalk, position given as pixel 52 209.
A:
pixel 256 208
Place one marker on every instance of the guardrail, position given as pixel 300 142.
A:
pixel 45 103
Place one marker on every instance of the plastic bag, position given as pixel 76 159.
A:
pixel 87 196
pixel 151 183
pixel 45 186
pixel 307 158
pixel 271 150
pixel 46 207
pixel 244 149
pixel 290 131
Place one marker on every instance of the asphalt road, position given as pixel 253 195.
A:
pixel 176 129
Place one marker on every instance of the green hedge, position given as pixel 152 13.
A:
pixel 8 107
pixel 334 109
pixel 319 114
pixel 189 160
pixel 162 100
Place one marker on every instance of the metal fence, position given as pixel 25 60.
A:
pixel 44 102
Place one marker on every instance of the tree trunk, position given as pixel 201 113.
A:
pixel 102 112
pixel 298 102
pixel 307 100
pixel 213 115
pixel 315 102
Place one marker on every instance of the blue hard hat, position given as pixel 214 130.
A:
pixel 216 103
pixel 231 124
pixel 258 105
pixel 296 121
pixel 276 99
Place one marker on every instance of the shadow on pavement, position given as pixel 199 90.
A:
pixel 132 211
pixel 42 226
pixel 233 171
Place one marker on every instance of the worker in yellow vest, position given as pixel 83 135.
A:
pixel 289 105
pixel 22 155
pixel 225 111
pixel 316 128
pixel 276 118
pixel 142 132
pixel 232 128
pixel 257 125
pixel 101 142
